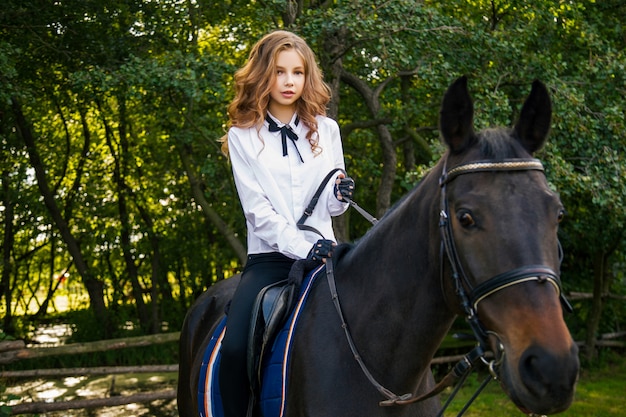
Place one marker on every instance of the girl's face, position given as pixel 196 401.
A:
pixel 289 82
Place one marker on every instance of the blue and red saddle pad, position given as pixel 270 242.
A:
pixel 273 392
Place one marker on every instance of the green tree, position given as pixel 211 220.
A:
pixel 110 115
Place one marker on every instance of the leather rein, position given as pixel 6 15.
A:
pixel 468 295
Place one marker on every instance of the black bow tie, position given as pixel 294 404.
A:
pixel 285 132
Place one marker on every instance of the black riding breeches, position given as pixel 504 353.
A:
pixel 260 271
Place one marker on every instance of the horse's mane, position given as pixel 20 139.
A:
pixel 342 249
pixel 498 143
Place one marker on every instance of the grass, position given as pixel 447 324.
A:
pixel 599 393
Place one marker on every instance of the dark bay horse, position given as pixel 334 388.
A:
pixel 477 237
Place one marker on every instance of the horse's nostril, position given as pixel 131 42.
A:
pixel 544 373
pixel 532 373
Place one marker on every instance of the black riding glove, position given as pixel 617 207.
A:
pixel 344 187
pixel 322 249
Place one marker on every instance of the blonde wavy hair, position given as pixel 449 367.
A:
pixel 255 79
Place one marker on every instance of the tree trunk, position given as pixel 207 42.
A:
pixel 371 97
pixel 7 258
pixel 212 215
pixel 80 167
pixel 119 172
pixel 388 176
pixel 94 287
pixel 159 280
pixel 333 59
pixel 43 308
pixel 593 321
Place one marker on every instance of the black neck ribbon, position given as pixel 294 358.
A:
pixel 285 132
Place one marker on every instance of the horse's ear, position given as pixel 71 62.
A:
pixel 534 122
pixel 456 116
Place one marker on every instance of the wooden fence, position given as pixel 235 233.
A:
pixel 16 350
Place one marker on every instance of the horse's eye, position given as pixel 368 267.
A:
pixel 561 215
pixel 466 219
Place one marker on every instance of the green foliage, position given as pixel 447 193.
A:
pixel 117 94
pixel 5 410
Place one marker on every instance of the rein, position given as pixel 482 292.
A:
pixel 309 209
pixel 468 295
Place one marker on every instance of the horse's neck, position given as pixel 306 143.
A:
pixel 390 285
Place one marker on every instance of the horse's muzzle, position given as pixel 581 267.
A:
pixel 544 382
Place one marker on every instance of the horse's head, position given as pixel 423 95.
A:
pixel 500 221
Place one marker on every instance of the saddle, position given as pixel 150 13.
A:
pixel 270 344
pixel 271 309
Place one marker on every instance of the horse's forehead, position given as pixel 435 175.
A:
pixel 521 192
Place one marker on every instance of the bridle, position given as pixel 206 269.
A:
pixel 469 296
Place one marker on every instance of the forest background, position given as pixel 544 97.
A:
pixel 114 194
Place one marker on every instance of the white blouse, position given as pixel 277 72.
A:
pixel 274 189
